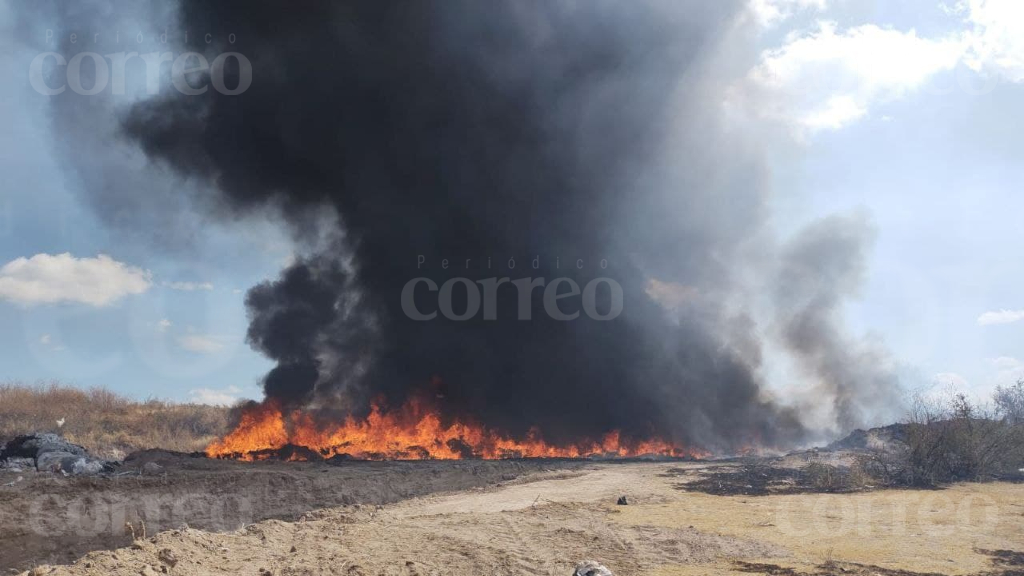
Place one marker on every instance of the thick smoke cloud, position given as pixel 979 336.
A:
pixel 142 204
pixel 310 308
pixel 480 132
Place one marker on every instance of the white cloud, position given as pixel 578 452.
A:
pixel 826 78
pixel 836 113
pixel 47 341
pixel 768 13
pixel 225 397
pixel 996 42
pixel 1006 363
pixel 48 279
pixel 1000 317
pixel 1009 370
pixel 201 343
pixel 189 286
pixel 163 325
pixel 951 379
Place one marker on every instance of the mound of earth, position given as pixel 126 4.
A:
pixel 872 439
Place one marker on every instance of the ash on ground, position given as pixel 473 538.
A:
pixel 766 476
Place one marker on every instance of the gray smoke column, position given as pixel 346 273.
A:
pixel 549 131
pixel 819 269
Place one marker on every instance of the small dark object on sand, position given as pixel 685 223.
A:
pixel 622 501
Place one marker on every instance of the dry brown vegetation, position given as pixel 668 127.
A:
pixel 955 440
pixel 107 424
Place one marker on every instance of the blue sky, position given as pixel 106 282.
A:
pixel 931 155
pixel 907 111
pixel 180 336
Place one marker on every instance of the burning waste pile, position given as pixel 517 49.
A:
pixel 50 453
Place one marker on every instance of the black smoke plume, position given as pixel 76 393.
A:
pixel 486 134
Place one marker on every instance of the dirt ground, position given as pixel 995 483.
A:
pixel 47 518
pixel 541 518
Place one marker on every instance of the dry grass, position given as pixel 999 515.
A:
pixel 930 531
pixel 107 424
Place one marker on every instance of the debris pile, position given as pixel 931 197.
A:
pixel 49 453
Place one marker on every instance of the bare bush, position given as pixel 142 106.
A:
pixel 825 477
pixel 1009 401
pixel 887 466
pixel 949 441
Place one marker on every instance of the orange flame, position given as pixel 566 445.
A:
pixel 413 432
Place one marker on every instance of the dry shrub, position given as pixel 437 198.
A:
pixel 108 424
pixel 825 477
pixel 822 477
pixel 950 441
pixel 888 466
pixel 1009 402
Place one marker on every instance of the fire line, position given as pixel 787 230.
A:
pixel 412 432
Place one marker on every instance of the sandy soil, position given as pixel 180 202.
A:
pixel 543 522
